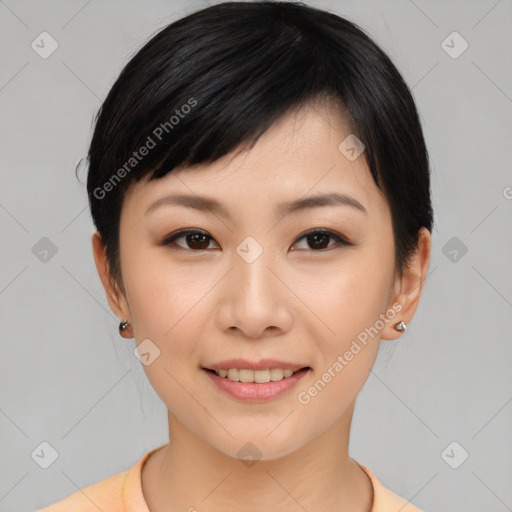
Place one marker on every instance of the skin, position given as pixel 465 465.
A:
pixel 295 302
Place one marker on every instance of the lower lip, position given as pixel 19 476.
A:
pixel 254 392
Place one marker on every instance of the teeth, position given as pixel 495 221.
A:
pixel 258 376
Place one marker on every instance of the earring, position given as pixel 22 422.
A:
pixel 401 326
pixel 125 329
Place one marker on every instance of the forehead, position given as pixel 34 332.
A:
pixel 302 154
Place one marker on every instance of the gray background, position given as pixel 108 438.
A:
pixel 68 379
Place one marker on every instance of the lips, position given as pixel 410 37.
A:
pixel 254 391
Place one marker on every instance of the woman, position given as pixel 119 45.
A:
pixel 259 182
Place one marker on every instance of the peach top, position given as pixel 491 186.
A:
pixel 123 493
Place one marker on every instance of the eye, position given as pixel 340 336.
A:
pixel 198 240
pixel 195 239
pixel 318 238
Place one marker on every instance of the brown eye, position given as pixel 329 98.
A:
pixel 318 240
pixel 194 239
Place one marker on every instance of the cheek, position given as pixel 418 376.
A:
pixel 167 309
pixel 348 302
pixel 165 301
pixel 155 284
pixel 350 298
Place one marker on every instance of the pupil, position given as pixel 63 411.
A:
pixel 321 236
pixel 198 244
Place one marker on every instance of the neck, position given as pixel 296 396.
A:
pixel 189 474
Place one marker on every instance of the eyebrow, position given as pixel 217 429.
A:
pixel 208 204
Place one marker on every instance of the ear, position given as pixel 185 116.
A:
pixel 409 286
pixel 115 297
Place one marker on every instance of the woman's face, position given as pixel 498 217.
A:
pixel 257 286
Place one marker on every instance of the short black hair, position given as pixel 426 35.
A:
pixel 217 79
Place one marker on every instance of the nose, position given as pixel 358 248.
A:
pixel 255 301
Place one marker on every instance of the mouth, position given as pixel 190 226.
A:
pixel 248 385
pixel 257 376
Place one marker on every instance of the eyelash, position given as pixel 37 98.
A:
pixel 183 233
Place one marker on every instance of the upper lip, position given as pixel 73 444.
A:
pixel 262 364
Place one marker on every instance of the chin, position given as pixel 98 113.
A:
pixel 258 446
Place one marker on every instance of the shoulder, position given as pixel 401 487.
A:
pixel 118 493
pixel 104 495
pixel 386 500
